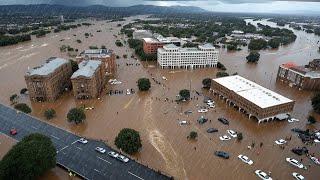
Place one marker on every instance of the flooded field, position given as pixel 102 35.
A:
pixel 165 145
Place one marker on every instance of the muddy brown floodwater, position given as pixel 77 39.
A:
pixel 165 146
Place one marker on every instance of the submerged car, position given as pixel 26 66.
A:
pixel 203 110
pixel 223 120
pixel 212 130
pixel 222 154
pixel 297 176
pixel 232 133
pixel 280 141
pixel 202 120
pixel 245 159
pixel 262 175
pixel 224 138
pixel 295 163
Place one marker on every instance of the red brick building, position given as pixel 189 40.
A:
pixel 151 45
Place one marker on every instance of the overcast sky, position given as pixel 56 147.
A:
pixel 260 6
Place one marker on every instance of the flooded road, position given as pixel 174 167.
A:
pixel 165 146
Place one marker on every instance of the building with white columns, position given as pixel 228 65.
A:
pixel 172 56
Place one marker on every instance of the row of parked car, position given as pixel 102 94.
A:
pixel 101 150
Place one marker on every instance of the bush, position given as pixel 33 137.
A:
pixel 193 135
pixel 221 74
pixel 23 90
pixel 128 140
pixel 23 108
pixel 221 66
pixel 49 113
pixel 185 94
pixel 79 41
pixel 29 158
pixel 206 83
pixel 144 84
pixel 315 102
pixel 76 115
pixel 253 57
pixel 118 43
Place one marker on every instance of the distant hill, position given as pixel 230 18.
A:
pixel 95 10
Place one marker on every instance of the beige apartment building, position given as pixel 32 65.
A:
pixel 106 56
pixel 48 81
pixel 88 81
pixel 252 99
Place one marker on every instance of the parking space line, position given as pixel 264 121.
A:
pixel 63 148
pixel 97 170
pixel 55 137
pixel 103 160
pixel 78 148
pixel 74 142
pixel 34 127
pixel 135 175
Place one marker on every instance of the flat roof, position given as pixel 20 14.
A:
pixel 86 69
pixel 151 40
pixel 252 91
pixel 49 67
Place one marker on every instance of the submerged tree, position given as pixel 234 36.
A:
pixel 128 140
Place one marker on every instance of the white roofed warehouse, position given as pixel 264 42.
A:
pixel 251 98
pixel 172 56
pixel 88 80
pixel 48 81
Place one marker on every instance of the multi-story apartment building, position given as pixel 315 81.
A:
pixel 171 56
pixel 303 77
pixel 251 98
pixel 106 56
pixel 88 81
pixel 48 81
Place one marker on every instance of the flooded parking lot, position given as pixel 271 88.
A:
pixel 165 143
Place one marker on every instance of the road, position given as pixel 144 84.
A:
pixel 79 158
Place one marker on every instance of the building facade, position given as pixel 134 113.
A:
pixel 171 56
pixel 302 77
pixel 251 98
pixel 106 56
pixel 151 45
pixel 48 81
pixel 88 81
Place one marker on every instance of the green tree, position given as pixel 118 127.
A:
pixel 23 108
pixel 29 158
pixel 311 120
pixel 79 41
pixel 128 140
pixel 193 135
pixel 49 113
pixel 76 115
pixel 221 74
pixel 206 83
pixel 74 65
pixel 315 102
pixel 13 98
pixel 23 90
pixel 257 44
pixel 144 84
pixel 274 43
pixel 253 57
pixel 221 66
pixel 185 94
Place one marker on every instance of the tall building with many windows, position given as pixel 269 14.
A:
pixel 172 56
pixel 88 80
pixel 48 81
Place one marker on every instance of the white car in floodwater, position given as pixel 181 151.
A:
pixel 280 141
pixel 232 133
pixel 291 120
pixel 164 78
pixel 224 138
pixel 297 176
pixel 295 163
pixel 203 110
pixel 181 123
pixel 245 159
pixel 262 175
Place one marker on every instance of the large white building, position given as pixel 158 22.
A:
pixel 171 56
